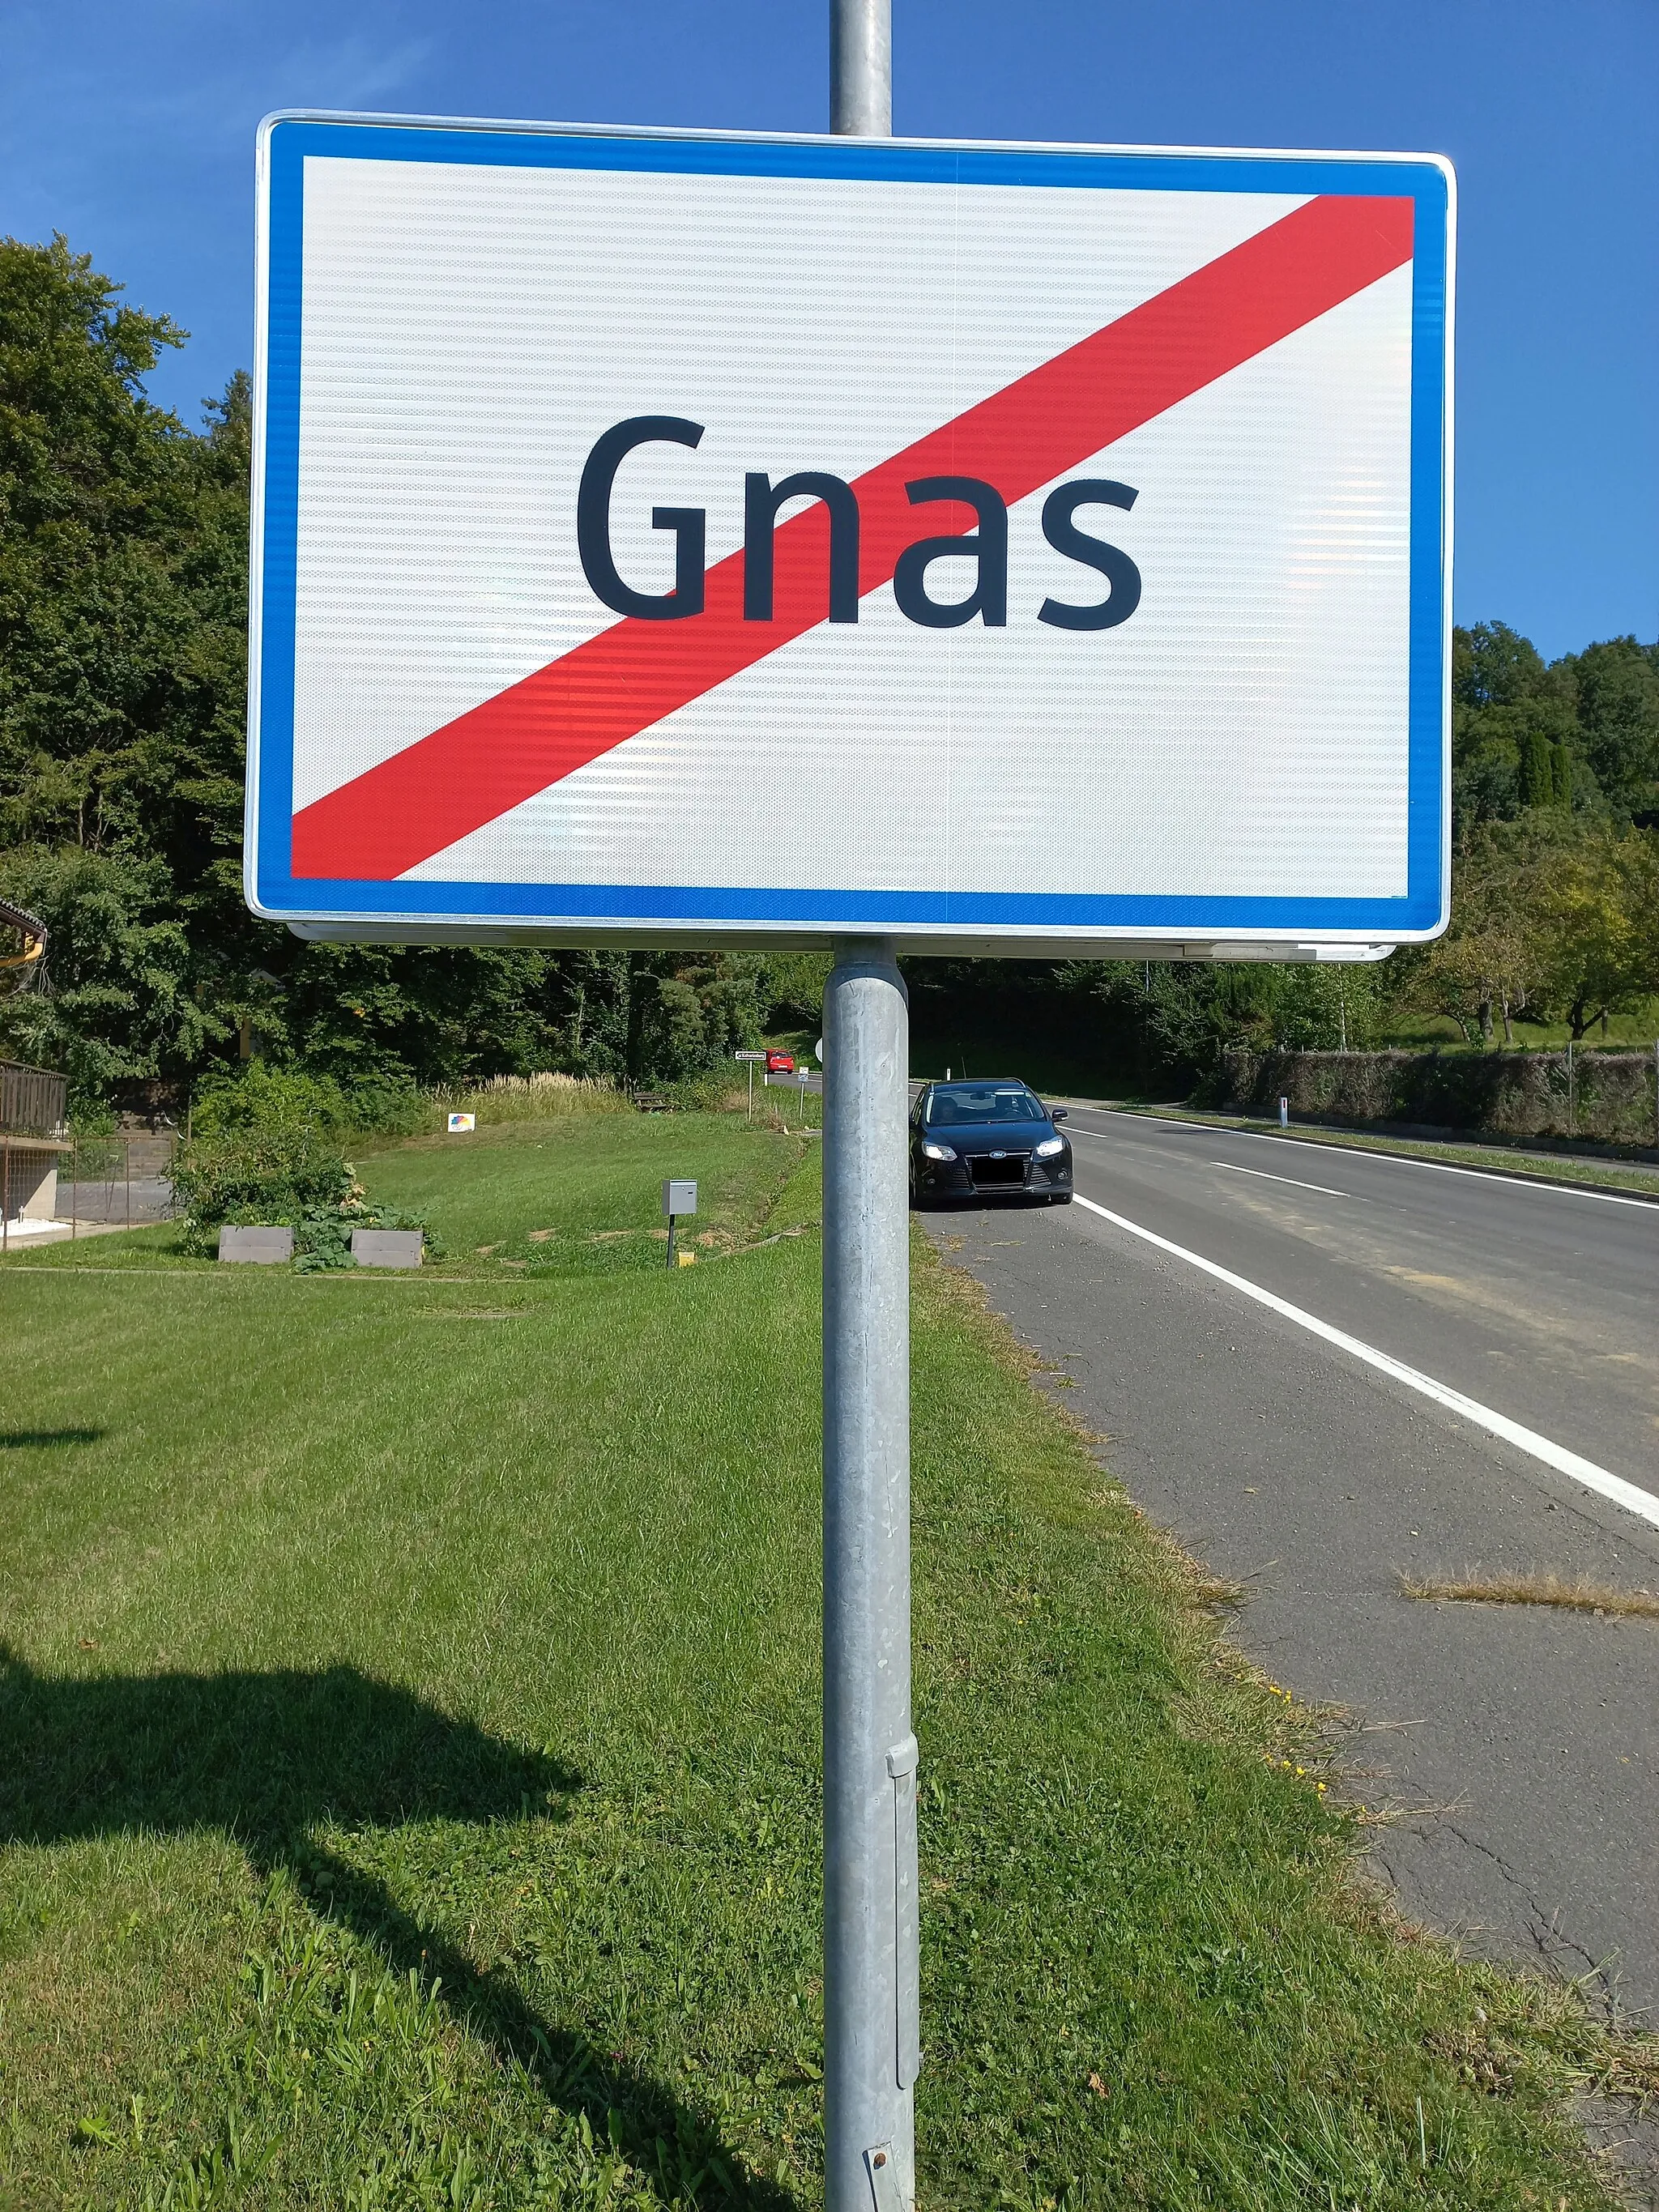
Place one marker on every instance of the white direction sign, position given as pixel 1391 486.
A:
pixel 677 535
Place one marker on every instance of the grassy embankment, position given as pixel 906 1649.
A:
pixel 407 1756
pixel 1632 1031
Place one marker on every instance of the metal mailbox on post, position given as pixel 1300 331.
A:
pixel 608 480
pixel 679 1200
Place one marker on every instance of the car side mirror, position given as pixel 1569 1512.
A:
pixel 1059 1114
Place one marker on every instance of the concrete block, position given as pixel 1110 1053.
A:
pixel 387 1248
pixel 256 1248
pixel 41 1203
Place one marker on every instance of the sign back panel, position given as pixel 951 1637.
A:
pixel 661 534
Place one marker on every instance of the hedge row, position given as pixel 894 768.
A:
pixel 1609 1097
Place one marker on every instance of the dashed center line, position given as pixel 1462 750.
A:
pixel 1294 1181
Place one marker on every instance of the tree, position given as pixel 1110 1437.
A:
pixel 1594 918
pixel 123 566
pixel 1487 960
pixel 1515 734
pixel 1189 1013
pixel 114 1005
pixel 1616 695
pixel 123 629
pixel 1551 913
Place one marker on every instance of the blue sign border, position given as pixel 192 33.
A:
pixel 274 892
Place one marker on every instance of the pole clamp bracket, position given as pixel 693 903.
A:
pixel 904 1758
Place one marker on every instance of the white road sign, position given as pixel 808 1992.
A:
pixel 681 536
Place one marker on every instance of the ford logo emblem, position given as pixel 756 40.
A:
pixel 999 1156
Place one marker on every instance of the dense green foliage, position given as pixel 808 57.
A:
pixel 264 1146
pixel 411 1699
pixel 1581 733
pixel 123 581
pixel 122 614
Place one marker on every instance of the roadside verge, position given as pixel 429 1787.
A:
pixel 1574 1171
pixel 419 1792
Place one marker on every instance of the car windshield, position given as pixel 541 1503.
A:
pixel 957 1105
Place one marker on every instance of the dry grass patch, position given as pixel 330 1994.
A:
pixel 1537 1586
pixel 506 1098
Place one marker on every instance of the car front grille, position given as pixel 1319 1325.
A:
pixel 1007 1173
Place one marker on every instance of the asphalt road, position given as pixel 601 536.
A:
pixel 1514 1750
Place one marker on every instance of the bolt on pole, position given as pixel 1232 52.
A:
pixel 871 2003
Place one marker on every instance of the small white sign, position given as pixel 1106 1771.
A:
pixel 749 1055
pixel 460 1123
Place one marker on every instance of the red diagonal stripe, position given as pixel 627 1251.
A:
pixel 625 678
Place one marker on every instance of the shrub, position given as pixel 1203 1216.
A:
pixel 1607 1096
pixel 280 1179
pixel 279 1176
pixel 285 1099
pixel 323 1241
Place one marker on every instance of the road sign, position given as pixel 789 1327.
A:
pixel 749 1055
pixel 639 514
pixel 665 537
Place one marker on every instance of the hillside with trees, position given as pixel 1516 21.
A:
pixel 123 613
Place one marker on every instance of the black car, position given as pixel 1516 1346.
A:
pixel 988 1139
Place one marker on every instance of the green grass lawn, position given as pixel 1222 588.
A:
pixel 578 1195
pixel 409 1759
pixel 1633 1031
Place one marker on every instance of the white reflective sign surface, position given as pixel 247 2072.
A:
pixel 546 638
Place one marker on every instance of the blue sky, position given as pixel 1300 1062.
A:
pixel 130 127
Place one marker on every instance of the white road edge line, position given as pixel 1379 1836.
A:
pixel 1642 1503
pixel 1367 1152
pixel 1233 1167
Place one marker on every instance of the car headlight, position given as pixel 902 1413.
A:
pixel 936 1153
pixel 1049 1146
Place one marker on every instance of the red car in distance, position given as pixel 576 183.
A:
pixel 779 1063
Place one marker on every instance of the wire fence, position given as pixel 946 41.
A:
pixel 83 1184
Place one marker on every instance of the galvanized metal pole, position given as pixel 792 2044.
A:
pixel 862 69
pixel 872 2026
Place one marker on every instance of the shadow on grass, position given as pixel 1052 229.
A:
pixel 46 1439
pixel 265 1758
